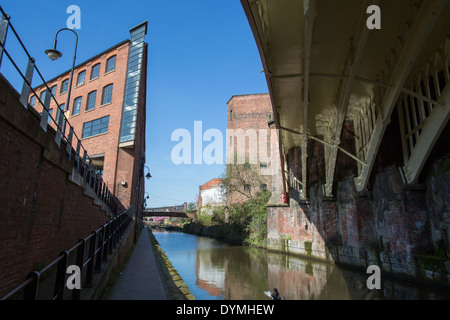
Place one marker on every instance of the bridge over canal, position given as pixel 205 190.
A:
pixel 169 211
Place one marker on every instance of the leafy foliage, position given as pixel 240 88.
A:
pixel 245 221
pixel 251 216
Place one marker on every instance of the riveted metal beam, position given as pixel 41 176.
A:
pixel 426 18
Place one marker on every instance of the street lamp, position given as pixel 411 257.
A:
pixel 54 55
pixel 148 175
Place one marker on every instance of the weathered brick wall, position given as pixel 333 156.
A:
pixel 43 211
pixel 249 112
pixel 404 229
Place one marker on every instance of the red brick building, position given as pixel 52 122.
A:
pixel 107 110
pixel 249 145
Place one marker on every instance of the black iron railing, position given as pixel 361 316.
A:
pixel 90 252
pixel 64 134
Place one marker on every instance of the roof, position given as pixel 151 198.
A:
pixel 86 61
pixel 145 23
pixel 247 95
pixel 211 183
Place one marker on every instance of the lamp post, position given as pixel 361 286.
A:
pixel 148 176
pixel 54 55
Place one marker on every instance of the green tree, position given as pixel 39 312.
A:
pixel 249 213
pixel 251 217
pixel 191 207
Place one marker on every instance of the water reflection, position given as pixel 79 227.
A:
pixel 216 270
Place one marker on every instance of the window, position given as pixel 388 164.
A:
pixel 264 187
pixel 231 115
pixel 132 84
pixel 32 101
pixel 107 94
pixel 110 64
pixel 64 86
pixel 81 77
pixel 95 71
pixel 53 89
pixel 95 127
pixel 42 96
pixel 91 100
pixel 263 164
pixel 76 106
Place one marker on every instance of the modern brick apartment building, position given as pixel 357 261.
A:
pixel 107 111
pixel 249 145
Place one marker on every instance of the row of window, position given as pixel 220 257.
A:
pixel 95 73
pixel 95 127
pixel 90 128
pixel 91 98
pixel 90 103
pixel 248 187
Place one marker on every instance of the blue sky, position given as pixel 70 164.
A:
pixel 201 53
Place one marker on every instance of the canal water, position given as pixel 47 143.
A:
pixel 215 270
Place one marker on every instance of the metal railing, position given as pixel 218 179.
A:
pixel 181 208
pixel 91 252
pixel 74 149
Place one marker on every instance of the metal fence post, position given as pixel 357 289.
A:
pixel 84 165
pixel 77 155
pixel 90 265
pixel 76 293
pixel 60 282
pixel 89 180
pixel 114 234
pixel 32 289
pixel 111 236
pixel 106 242
pixel 45 110
pixel 59 131
pixel 69 142
pixel 4 23
pixel 98 258
pixel 26 87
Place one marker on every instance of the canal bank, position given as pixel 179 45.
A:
pixel 174 285
pixel 222 232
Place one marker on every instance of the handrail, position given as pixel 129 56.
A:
pixel 81 157
pixel 102 242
